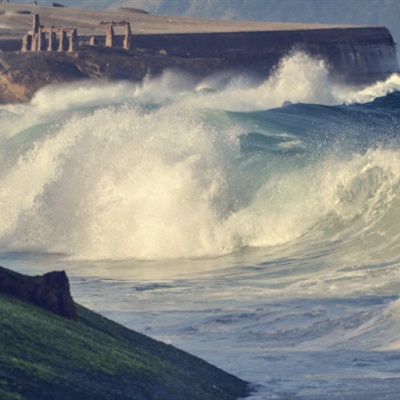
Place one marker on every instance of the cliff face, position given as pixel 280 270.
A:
pixel 202 47
pixel 356 55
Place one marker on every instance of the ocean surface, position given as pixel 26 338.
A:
pixel 254 224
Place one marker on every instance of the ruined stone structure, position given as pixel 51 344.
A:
pixel 66 39
pixel 50 39
pixel 110 35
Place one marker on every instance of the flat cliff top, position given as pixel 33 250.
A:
pixel 16 20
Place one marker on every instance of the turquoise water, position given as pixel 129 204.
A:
pixel 254 224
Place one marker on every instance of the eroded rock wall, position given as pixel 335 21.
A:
pixel 354 54
pixel 49 291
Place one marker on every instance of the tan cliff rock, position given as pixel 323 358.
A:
pixel 358 55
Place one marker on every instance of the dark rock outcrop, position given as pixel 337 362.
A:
pixel 49 291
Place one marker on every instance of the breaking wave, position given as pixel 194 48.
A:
pixel 175 168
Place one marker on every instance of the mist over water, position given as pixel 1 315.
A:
pixel 252 223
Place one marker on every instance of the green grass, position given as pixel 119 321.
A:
pixel 43 356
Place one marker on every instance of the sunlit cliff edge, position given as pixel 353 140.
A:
pixel 354 54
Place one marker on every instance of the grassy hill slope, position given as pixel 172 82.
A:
pixel 43 356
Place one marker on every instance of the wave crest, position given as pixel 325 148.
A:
pixel 157 170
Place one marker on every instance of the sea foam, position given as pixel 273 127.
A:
pixel 156 169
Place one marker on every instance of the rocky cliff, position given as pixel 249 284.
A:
pixel 357 55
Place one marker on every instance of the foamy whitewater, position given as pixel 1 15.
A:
pixel 254 224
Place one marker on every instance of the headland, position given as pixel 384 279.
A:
pixel 126 44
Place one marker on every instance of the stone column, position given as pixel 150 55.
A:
pixel 74 40
pixel 27 42
pixel 36 37
pixel 128 36
pixel 35 23
pixel 35 40
pixel 93 41
pixel 41 40
pixel 110 36
pixel 52 40
pixel 63 46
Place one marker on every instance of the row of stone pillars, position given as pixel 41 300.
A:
pixel 110 35
pixel 35 40
pixel 42 39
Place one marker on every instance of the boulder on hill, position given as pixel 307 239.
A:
pixel 49 291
